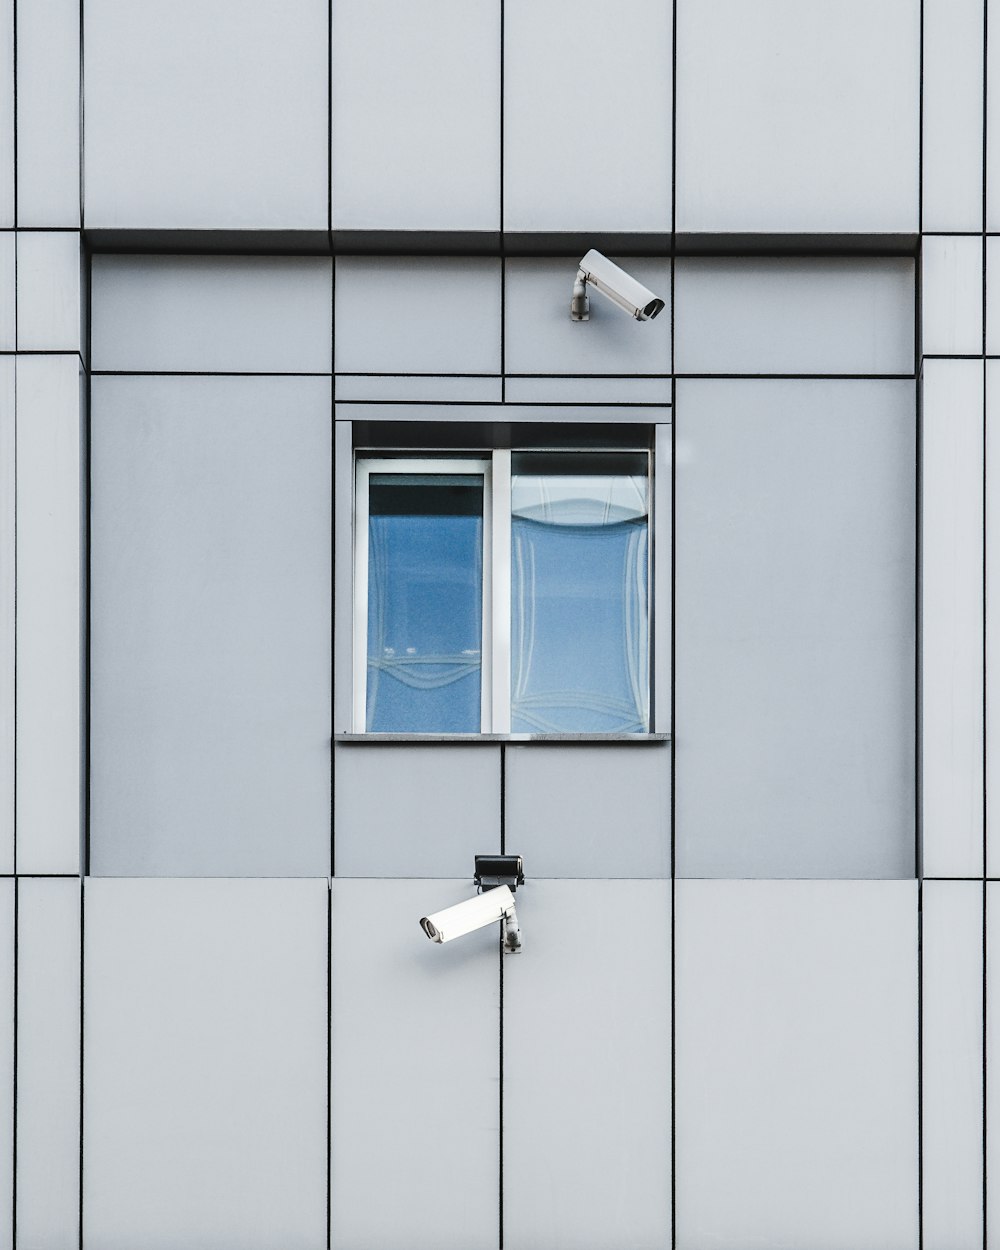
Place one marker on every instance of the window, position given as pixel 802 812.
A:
pixel 507 594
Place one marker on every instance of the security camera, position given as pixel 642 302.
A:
pixel 621 288
pixel 476 913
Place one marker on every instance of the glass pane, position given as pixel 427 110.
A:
pixel 425 603
pixel 579 594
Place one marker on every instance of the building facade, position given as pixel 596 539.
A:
pixel 288 376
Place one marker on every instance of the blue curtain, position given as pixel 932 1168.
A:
pixel 579 628
pixel 425 595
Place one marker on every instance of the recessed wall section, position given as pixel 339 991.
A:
pixel 210 626
pixel 51 547
pixel 8 518
pixel 541 339
pixel 413 388
pixel 415 810
pixel 760 316
pixel 992 296
pixel 534 416
pixel 8 291
pixel 418 315
pixel 795 626
pixel 991 725
pixel 951 618
pixel 215 314
pixel 577 810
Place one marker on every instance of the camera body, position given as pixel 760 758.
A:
pixel 476 913
pixel 619 287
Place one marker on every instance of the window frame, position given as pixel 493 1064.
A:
pixel 495 468
pixel 364 467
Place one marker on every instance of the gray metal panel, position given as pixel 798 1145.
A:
pixel 205 1036
pixel 992 956
pixel 952 1076
pixel 795 629
pixel 951 620
pixel 587 126
pixel 206 116
pixel 50 609
pixel 48 1067
pixel 414 810
pixel 792 122
pixel 992 539
pixel 417 315
pixel 555 413
pixel 48 113
pixel 951 299
pixel 586 1041
pixel 541 338
pixel 794 316
pixel 8 290
pixel 588 390
pixel 7 595
pixel 261 314
pixel 992 296
pixel 580 810
pixel 415 1070
pixel 952 113
pixel 210 626
pixel 416 115
pixel 6 1059
pixel 6 113
pixel 796 1064
pixel 410 389
pixel 48 291
pixel 992 123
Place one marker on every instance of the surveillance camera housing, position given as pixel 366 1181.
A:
pixel 619 287
pixel 476 913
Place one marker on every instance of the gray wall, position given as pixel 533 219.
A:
pixel 222 432
pixel 231 1038
pixel 795 644
pixel 228 118
pixel 210 603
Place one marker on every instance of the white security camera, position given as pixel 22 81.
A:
pixel 476 913
pixel 621 288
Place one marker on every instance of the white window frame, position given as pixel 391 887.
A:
pixel 419 465
pixel 495 658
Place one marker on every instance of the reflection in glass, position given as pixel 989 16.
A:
pixel 579 593
pixel 425 603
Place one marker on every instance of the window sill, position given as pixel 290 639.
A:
pixel 611 739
